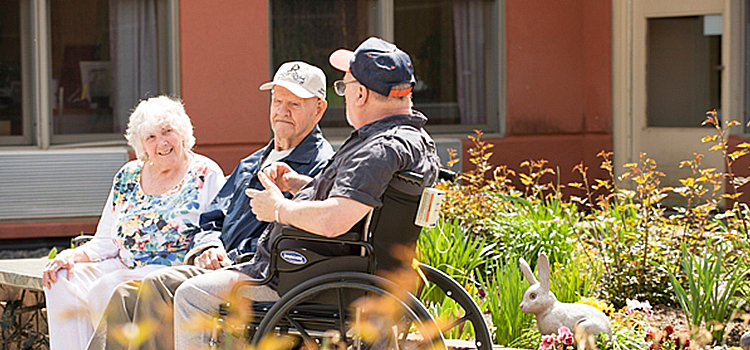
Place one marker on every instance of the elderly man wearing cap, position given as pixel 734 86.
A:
pixel 388 138
pixel 228 227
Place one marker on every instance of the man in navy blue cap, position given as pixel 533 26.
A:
pixel 388 138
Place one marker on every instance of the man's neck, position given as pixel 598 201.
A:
pixel 383 111
pixel 283 144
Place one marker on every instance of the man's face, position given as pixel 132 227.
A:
pixel 292 117
pixel 350 97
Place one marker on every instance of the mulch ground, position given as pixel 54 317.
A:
pixel 665 315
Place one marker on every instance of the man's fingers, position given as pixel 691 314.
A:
pixel 251 192
pixel 266 182
pixel 270 171
pixel 210 259
pixel 213 261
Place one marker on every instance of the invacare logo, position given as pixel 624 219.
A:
pixel 293 257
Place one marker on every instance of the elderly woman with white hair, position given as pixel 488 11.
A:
pixel 147 223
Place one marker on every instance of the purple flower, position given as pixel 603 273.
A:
pixel 547 342
pixel 646 307
pixel 565 336
pixel 481 292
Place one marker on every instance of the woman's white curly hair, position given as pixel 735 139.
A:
pixel 155 112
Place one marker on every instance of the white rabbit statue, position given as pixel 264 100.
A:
pixel 552 314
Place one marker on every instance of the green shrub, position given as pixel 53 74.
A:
pixel 532 227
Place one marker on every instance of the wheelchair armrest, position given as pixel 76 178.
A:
pixel 447 175
pixel 349 238
pixel 243 258
pixel 292 231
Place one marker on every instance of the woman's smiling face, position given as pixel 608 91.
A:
pixel 163 145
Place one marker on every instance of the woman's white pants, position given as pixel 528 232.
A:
pixel 74 306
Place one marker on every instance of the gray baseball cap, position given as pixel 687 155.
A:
pixel 302 79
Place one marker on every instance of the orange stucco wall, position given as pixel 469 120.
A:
pixel 559 84
pixel 223 61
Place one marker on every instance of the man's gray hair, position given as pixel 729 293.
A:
pixel 155 112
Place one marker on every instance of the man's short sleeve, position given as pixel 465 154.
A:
pixel 365 174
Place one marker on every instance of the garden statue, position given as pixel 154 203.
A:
pixel 552 314
pixel 745 341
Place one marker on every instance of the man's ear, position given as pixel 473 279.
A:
pixel 362 95
pixel 320 108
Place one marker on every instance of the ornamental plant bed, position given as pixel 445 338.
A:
pixel 611 242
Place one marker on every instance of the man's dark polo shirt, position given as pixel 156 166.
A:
pixel 229 221
pixel 361 170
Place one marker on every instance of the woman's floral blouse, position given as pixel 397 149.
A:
pixel 141 229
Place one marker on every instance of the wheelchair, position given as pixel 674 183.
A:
pixel 354 300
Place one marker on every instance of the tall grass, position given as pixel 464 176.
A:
pixel 448 248
pixel 505 289
pixel 461 256
pixel 710 293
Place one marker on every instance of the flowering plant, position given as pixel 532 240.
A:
pixel 633 307
pixel 563 340
pixel 668 339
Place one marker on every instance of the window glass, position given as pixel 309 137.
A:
pixel 104 59
pixel 11 107
pixel 309 30
pixel 452 43
pixel 683 74
pixel 445 38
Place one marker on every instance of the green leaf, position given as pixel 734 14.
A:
pixel 52 253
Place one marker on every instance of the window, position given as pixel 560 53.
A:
pixel 684 75
pixel 454 45
pixel 12 123
pixel 72 70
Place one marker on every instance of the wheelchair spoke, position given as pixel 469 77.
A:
pixel 459 322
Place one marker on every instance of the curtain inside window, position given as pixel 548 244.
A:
pixel 468 25
pixel 134 56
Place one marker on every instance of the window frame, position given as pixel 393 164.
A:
pixel 36 77
pixel 495 103
pixel 740 14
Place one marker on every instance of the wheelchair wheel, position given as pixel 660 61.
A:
pixel 363 312
pixel 471 312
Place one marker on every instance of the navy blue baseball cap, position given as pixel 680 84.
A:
pixel 378 65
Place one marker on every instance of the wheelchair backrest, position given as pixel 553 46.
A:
pixel 392 229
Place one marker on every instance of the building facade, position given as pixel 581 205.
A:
pixel 555 80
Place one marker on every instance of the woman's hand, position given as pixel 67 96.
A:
pixel 65 260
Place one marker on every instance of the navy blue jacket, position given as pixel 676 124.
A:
pixel 228 221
